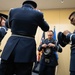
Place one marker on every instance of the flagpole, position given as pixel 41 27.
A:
pixel 56 53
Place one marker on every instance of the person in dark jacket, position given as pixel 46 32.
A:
pixel 49 59
pixel 3 29
pixel 20 50
pixel 66 37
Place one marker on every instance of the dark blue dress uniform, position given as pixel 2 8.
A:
pixel 70 38
pixel 3 29
pixel 21 46
pixel 49 61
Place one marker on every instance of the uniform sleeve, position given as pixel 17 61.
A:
pixel 3 31
pixel 68 37
pixel 71 38
pixel 40 46
pixel 42 23
pixel 58 48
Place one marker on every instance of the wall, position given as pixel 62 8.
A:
pixel 59 19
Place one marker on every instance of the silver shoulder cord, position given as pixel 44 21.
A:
pixel 4 29
pixel 57 44
pixel 71 38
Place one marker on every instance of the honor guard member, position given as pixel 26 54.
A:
pixel 49 59
pixel 67 37
pixel 20 50
pixel 3 28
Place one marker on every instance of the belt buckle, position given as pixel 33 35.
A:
pixel 47 60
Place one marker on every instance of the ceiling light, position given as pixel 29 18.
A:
pixel 62 1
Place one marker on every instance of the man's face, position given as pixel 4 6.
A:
pixel 50 35
pixel 3 22
pixel 72 19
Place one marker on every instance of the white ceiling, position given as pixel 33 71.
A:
pixel 42 4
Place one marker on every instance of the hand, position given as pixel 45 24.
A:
pixel 44 45
pixel 66 32
pixel 38 10
pixel 51 45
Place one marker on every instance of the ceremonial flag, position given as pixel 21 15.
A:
pixel 54 37
pixel 54 31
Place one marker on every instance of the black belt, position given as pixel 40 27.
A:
pixel 24 34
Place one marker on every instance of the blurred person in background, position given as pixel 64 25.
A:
pixel 3 28
pixel 49 59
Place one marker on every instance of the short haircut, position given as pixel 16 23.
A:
pixel 51 31
pixel 72 14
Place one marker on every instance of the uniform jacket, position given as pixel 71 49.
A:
pixel 23 20
pixel 52 57
pixel 71 39
pixel 3 31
